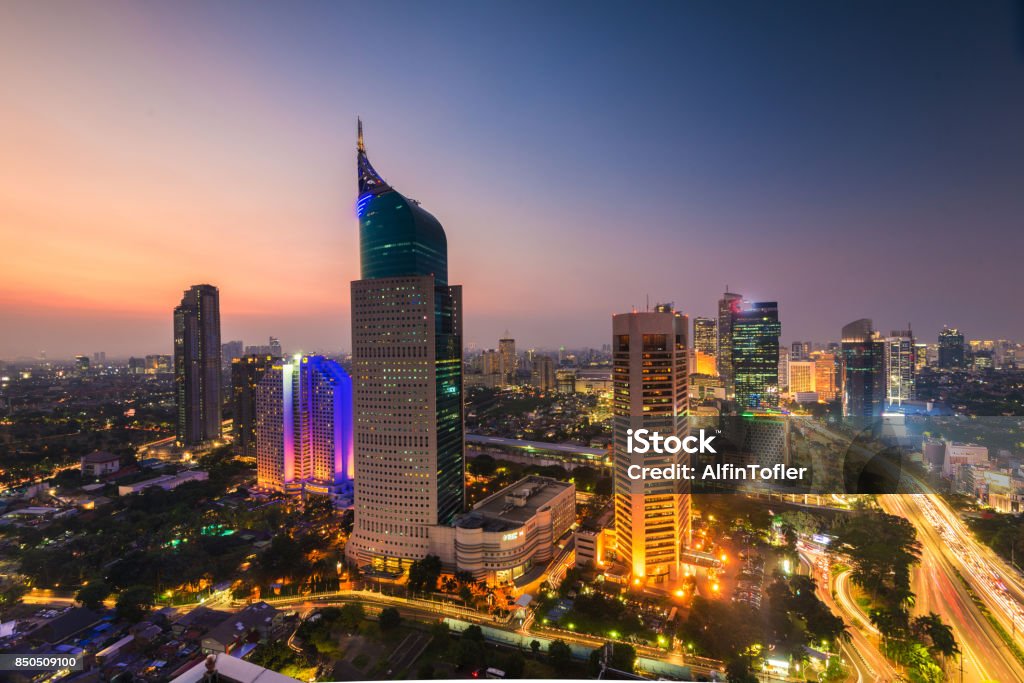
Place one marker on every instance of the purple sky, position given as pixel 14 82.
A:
pixel 846 160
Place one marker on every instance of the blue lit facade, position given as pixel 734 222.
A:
pixel 304 428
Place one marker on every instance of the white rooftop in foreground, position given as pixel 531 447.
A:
pixel 234 669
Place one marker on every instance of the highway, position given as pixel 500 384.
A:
pixel 861 651
pixel 949 547
pixel 938 588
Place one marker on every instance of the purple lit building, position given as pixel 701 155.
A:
pixel 304 429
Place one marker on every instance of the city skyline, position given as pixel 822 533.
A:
pixel 180 139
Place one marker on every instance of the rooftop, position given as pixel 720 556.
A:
pixel 231 669
pixel 513 506
pixel 535 445
pixel 98 457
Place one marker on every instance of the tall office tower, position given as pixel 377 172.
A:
pixel 197 365
pixel 920 357
pixel 231 350
pixel 491 368
pixel 802 375
pixel 275 347
pixel 304 427
pixel 542 374
pixel 755 354
pixel 863 358
pixel 704 364
pixel 705 336
pixel 246 373
pixel 824 375
pixel 728 307
pixel 82 364
pixel 900 367
pixel 99 357
pixel 951 349
pixel 800 350
pixel 407 356
pixel 650 391
pixel 509 360
pixel 783 374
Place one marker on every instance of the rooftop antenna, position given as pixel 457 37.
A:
pixel 648 303
pixel 359 143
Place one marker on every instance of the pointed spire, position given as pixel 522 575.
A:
pixel 370 181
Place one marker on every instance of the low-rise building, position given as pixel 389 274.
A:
pixel 167 482
pixel 100 464
pixel 254 624
pixel 506 534
pixel 962 454
pixel 227 669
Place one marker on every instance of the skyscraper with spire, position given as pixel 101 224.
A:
pixel 407 367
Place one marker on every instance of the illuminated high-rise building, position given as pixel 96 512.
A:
pixel 800 350
pixel 825 371
pixel 705 336
pixel 784 361
pixel 407 362
pixel 920 356
pixel 802 374
pixel 863 362
pixel 509 360
pixel 704 364
pixel 197 366
pixel 900 367
pixel 650 391
pixel 951 349
pixel 231 350
pixel 728 307
pixel 246 373
pixel 542 373
pixel 755 354
pixel 304 427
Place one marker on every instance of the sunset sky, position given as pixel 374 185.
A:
pixel 845 159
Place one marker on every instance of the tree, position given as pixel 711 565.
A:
pixel 737 670
pixel 720 629
pixel 881 549
pixel 623 657
pixel 513 664
pixel 473 633
pixel 351 615
pixel 389 619
pixel 133 603
pixel 93 594
pixel 483 465
pixel 11 593
pixel 535 647
pixel 423 574
pixel 935 634
pixel 439 632
pixel 559 653
pixel 468 652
